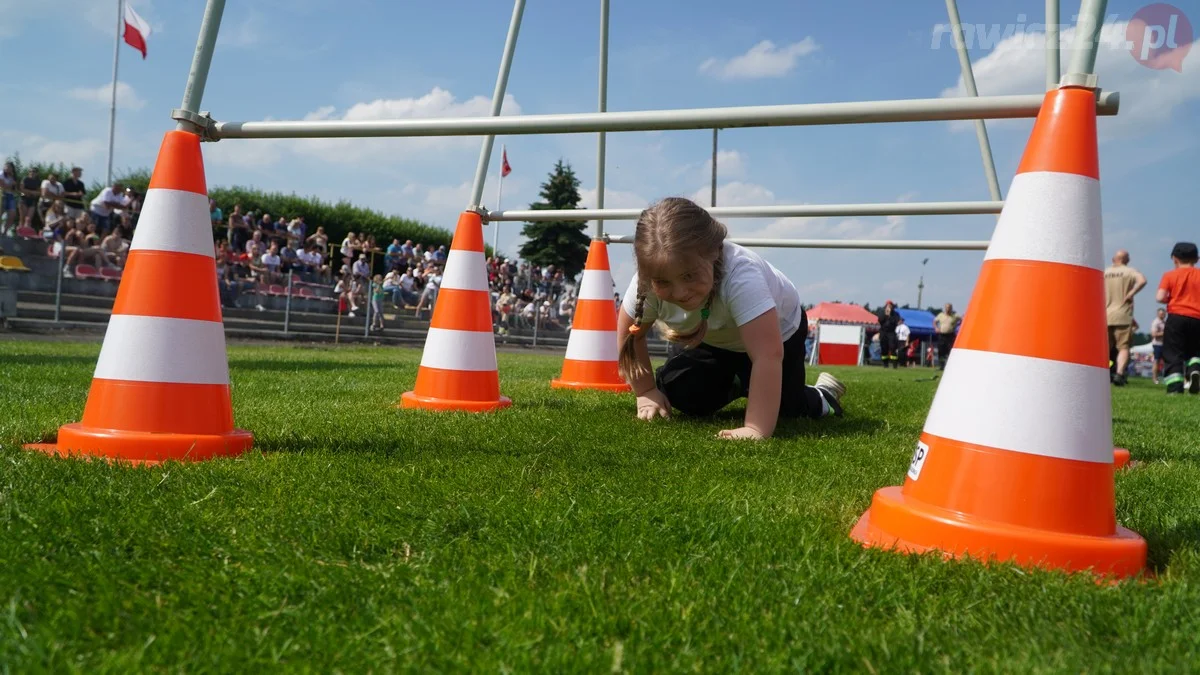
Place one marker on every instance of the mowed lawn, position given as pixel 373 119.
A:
pixel 560 535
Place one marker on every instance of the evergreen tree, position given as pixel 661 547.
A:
pixel 560 243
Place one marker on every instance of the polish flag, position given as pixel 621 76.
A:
pixel 505 169
pixel 136 30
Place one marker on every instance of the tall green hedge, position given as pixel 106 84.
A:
pixel 337 219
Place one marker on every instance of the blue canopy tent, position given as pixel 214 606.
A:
pixel 919 322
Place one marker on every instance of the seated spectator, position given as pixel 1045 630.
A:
pixel 54 220
pixel 433 281
pixel 271 262
pixel 319 239
pixel 361 269
pixel 87 252
pixel 115 249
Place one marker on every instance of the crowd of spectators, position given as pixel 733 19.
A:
pixel 256 251
pixel 92 232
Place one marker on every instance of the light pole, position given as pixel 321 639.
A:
pixel 921 283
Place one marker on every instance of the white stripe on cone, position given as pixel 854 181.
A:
pixel 174 220
pixel 596 285
pixel 465 270
pixel 160 349
pixel 834 334
pixel 592 345
pixel 1024 404
pixel 459 350
pixel 1051 217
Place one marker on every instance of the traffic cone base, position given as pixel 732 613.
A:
pixel 458 365
pixel 591 359
pixel 1120 458
pixel 899 523
pixel 77 440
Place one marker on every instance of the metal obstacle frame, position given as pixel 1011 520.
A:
pixel 973 107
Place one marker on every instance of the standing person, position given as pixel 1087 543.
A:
pixel 738 317
pixel 887 334
pixel 1180 290
pixel 8 184
pixel 1121 283
pixel 73 192
pixel 902 334
pixel 1157 326
pixel 945 323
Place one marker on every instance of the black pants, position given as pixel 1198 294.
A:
pixel 945 344
pixel 1181 350
pixel 702 380
pixel 887 348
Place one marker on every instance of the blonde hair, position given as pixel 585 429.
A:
pixel 670 229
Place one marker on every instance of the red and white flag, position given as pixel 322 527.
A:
pixel 137 31
pixel 505 169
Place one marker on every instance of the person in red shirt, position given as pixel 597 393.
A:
pixel 1180 290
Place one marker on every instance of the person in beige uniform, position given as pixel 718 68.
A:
pixel 1121 283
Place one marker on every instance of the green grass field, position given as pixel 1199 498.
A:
pixel 559 535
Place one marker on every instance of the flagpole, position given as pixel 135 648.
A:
pixel 112 112
pixel 499 190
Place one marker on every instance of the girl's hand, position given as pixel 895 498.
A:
pixel 742 433
pixel 653 404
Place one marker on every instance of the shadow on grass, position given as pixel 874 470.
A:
pixel 47 360
pixel 313 365
pixel 1161 546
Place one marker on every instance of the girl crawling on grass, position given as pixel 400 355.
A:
pixel 738 317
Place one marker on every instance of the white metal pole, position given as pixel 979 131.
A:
pixel 603 107
pixel 964 62
pixel 485 152
pixel 799 114
pixel 1053 71
pixel 206 42
pixel 879 244
pixel 713 197
pixel 769 211
pixel 1087 41
pixel 499 191
pixel 112 111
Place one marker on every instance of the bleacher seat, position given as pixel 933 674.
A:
pixel 12 263
pixel 306 292
pixel 87 272
pixel 276 289
pixel 26 232
pixel 110 273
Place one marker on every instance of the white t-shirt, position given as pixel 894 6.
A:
pixel 55 189
pixel 1157 326
pixel 750 287
pixel 99 205
pixel 271 262
pixel 902 332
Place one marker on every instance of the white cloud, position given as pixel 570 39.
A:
pixel 442 199
pixel 613 199
pixel 127 98
pixel 736 193
pixel 730 164
pixel 763 60
pixel 1148 97
pixel 437 103
pixel 33 147
pixel 885 227
pixel 99 15
pixel 246 33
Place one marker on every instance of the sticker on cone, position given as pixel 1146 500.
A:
pixel 1016 460
pixel 591 360
pixel 161 386
pixel 458 367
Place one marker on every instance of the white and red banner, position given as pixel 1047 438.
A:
pixel 137 31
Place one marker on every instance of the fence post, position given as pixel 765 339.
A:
pixel 287 307
pixel 62 267
pixel 537 316
pixel 367 323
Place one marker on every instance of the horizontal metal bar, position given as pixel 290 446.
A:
pixel 774 211
pixel 885 244
pixel 856 112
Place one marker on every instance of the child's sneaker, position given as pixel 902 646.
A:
pixel 832 390
pixel 1194 382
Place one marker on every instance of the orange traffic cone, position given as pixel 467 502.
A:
pixel 161 385
pixel 1016 459
pixel 591 361
pixel 1121 458
pixel 458 367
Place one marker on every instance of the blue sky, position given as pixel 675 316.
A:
pixel 318 58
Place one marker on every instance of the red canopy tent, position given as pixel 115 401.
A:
pixel 840 312
pixel 841 332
